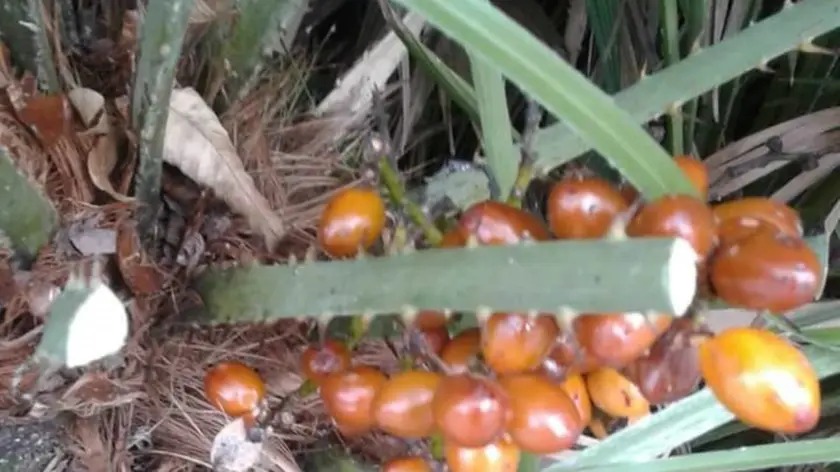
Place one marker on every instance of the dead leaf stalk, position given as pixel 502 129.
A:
pixel 160 48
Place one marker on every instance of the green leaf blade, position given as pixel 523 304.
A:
pixel 566 93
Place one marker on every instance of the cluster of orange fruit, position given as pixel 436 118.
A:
pixel 521 382
pixel 750 251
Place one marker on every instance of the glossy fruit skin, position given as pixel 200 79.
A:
pixel 407 464
pixel 496 223
pixel 670 371
pixel 500 456
pixel 734 230
pixel 677 216
pixel 629 193
pixel 403 405
pixel 513 342
pixel 348 398
pixel 234 388
pixel 696 172
pixel 436 339
pixel 615 394
pixel 428 319
pixel 584 208
pixel 543 419
pixel 461 350
pixel 575 388
pixel 762 379
pixel 453 238
pixel 433 328
pixel 766 271
pixel 470 410
pixel 317 361
pixel 751 209
pixel 567 357
pixel 352 218
pixel 616 340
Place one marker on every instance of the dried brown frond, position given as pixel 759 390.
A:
pixel 102 442
pixel 147 411
pixel 23 147
pixel 296 163
pixel 185 423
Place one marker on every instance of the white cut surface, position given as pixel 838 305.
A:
pixel 99 328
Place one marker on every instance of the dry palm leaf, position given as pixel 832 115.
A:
pixel 198 145
pixel 808 133
pixel 102 154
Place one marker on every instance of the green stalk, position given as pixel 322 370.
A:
pixel 457 89
pixel 161 39
pixel 563 277
pixel 671 46
pixel 242 53
pixel 27 218
pixel 561 89
pixel 605 20
pixel 764 457
pixel 496 136
pixel 675 425
pixel 697 74
pixel 24 33
pixel 396 191
pixel 696 37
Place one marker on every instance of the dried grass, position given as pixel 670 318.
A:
pixel 297 165
pixel 147 409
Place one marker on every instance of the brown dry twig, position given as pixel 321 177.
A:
pixel 774 146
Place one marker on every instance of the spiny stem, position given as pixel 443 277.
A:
pixel 396 191
pixel 526 166
pixel 381 146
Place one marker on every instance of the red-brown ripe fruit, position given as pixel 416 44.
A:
pixel 629 193
pixel 460 352
pixel 543 419
pixel 618 339
pixel 352 219
pixel 436 339
pixel 680 216
pixel 615 394
pixel 513 342
pixel 696 173
pixel 470 410
pixel 403 405
pixel 741 217
pixel 453 238
pixel 432 326
pixel 500 456
pixel 428 319
pixel 407 464
pixel 348 398
pixel 584 208
pixel 766 271
pixel 567 357
pixel 317 361
pixel 762 379
pixel 734 230
pixel 234 388
pixel 575 388
pixel 670 371
pixel 496 223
